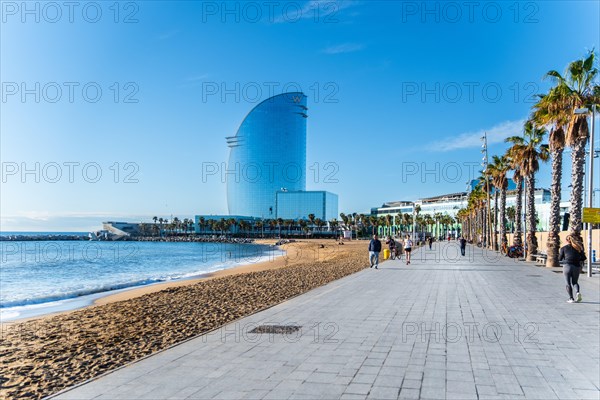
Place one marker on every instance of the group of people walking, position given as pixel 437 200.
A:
pixel 573 254
pixel 375 248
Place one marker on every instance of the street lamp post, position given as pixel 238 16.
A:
pixel 414 227
pixel 485 160
pixel 590 184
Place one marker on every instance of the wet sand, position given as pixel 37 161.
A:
pixel 45 355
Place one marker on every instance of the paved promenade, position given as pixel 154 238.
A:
pixel 444 327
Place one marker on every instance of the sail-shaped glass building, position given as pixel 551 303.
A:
pixel 267 154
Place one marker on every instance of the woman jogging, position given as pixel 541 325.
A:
pixel 407 248
pixel 573 254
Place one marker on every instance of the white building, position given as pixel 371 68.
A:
pixel 449 204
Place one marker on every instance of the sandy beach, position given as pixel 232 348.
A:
pixel 45 355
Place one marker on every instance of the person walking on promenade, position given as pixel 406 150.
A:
pixel 408 248
pixel 392 246
pixel 573 254
pixel 430 241
pixel 463 245
pixel 374 250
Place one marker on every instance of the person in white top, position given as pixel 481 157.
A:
pixel 407 248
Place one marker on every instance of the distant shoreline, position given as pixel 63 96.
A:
pixel 41 238
pixel 71 237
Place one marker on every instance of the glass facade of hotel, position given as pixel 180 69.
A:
pixel 297 205
pixel 267 154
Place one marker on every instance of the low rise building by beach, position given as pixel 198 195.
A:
pixel 450 204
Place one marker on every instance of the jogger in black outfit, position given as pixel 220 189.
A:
pixel 573 254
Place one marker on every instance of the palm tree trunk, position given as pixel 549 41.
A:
pixel 503 238
pixel 495 226
pixel 578 162
pixel 517 239
pixel 553 243
pixel 483 227
pixel 532 244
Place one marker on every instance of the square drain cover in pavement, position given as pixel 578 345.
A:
pixel 276 329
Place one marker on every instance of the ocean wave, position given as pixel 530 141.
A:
pixel 78 293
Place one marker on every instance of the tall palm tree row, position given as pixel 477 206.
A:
pixel 526 152
pixel 498 170
pixel 484 184
pixel 557 110
pixel 577 88
pixel 471 217
pixel 552 110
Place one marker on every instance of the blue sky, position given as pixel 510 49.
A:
pixel 395 89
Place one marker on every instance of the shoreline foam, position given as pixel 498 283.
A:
pixel 88 297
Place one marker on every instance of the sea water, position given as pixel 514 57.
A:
pixel 39 277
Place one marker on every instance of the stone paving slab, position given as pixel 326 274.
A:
pixel 443 327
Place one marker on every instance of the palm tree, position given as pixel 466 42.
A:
pixel 428 221
pixel 447 220
pixel 186 225
pixel 242 225
pixel 398 220
pixel 201 223
pixel 510 215
pixel 161 221
pixel 476 204
pixel 577 89
pixel 363 222
pixel 437 217
pixel 259 226
pixel 485 184
pixel 333 223
pixel 303 224
pixel 289 223
pixel 311 219
pixel 551 110
pixel 272 224
pixel 462 217
pixel 407 218
pixel 388 222
pixel 527 151
pixel 320 223
pixel 498 169
pixel 155 218
pixel 373 223
pixel 344 219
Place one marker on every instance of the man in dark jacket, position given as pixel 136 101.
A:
pixel 374 250
pixel 463 245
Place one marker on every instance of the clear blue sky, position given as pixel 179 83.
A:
pixel 391 86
